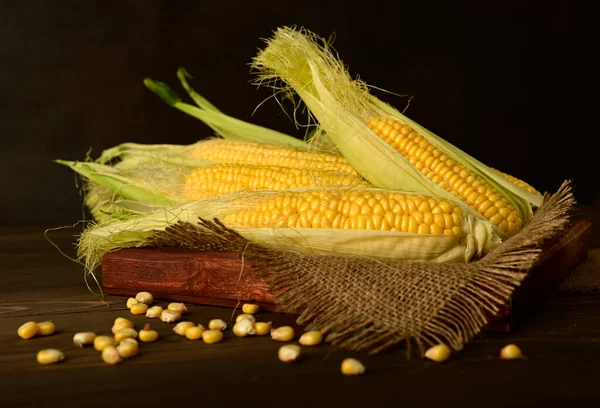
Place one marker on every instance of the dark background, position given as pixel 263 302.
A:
pixel 509 82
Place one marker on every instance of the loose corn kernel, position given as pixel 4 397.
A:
pixel 121 323
pixel 311 338
pixel 283 333
pixel 110 355
pixel 217 324
pixel 438 353
pixel 289 353
pixel 125 333
pixel 147 335
pixel 244 328
pixel 177 307
pixel 181 327
pixel 84 339
pixel 50 356
pixel 154 312
pixel 128 348
pixel 132 301
pixel 245 316
pixel 262 328
pixel 140 308
pixel 250 308
pixel 194 332
pixel 511 352
pixel 45 328
pixel 170 316
pixel 101 342
pixel 212 336
pixel 27 330
pixel 351 366
pixel 145 297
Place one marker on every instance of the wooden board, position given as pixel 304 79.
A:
pixel 220 279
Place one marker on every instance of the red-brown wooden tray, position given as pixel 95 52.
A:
pixel 217 278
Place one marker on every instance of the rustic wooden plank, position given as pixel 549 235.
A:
pixel 220 278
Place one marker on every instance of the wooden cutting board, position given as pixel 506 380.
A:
pixel 220 279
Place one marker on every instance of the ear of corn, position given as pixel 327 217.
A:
pixel 344 108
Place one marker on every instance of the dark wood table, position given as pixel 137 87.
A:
pixel 561 339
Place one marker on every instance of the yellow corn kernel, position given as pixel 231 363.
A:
pixel 289 353
pixel 127 348
pixel 84 339
pixel 212 336
pixel 250 308
pixel 139 309
pixel 154 312
pixel 352 366
pixel 147 335
pixel 27 330
pixel 511 352
pixel 181 327
pixel 518 182
pixel 177 307
pixel 45 328
pixel 170 316
pixel 243 152
pixel 131 301
pixel 311 338
pixel 245 316
pixel 217 324
pixel 110 355
pixel 145 297
pixel 101 342
pixel 50 356
pixel 121 323
pixel 446 173
pixel 283 333
pixel 262 328
pixel 194 332
pixel 243 328
pixel 438 353
pixel 125 333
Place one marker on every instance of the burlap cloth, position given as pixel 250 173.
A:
pixel 585 278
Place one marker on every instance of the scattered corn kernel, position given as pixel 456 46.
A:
pixel 147 335
pixel 283 333
pixel 110 355
pixel 511 352
pixel 194 332
pixel 121 323
pixel 217 324
pixel 262 328
pixel 84 339
pixel 132 301
pixel 177 307
pixel 27 330
pixel 245 316
pixel 140 308
pixel 311 338
pixel 289 353
pixel 125 333
pixel 181 327
pixel 154 312
pixel 128 347
pixel 212 336
pixel 244 328
pixel 45 328
pixel 438 353
pixel 50 356
pixel 250 308
pixel 170 316
pixel 351 366
pixel 101 342
pixel 145 297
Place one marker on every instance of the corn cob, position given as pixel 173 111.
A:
pixel 518 182
pixel 360 125
pixel 228 178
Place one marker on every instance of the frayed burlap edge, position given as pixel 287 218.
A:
pixel 373 304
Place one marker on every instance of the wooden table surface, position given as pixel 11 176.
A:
pixel 561 339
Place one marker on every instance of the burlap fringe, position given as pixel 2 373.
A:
pixel 367 304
